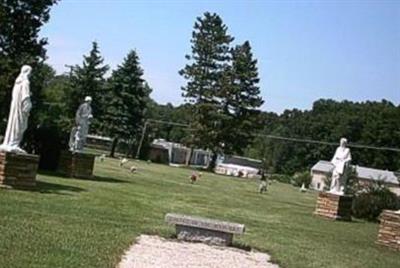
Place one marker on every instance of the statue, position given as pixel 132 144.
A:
pixel 19 112
pixel 341 161
pixel 82 121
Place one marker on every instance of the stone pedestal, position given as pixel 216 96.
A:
pixel 18 170
pixel 335 207
pixel 389 230
pixel 74 164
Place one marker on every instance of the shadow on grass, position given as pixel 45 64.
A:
pixel 241 246
pixel 46 188
pixel 295 204
pixel 53 188
pixel 94 178
pixel 52 174
pixel 104 179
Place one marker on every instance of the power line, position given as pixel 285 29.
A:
pixel 167 122
pixel 354 145
pixel 290 139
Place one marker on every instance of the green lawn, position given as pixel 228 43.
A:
pixel 89 223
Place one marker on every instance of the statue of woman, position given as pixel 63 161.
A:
pixel 340 160
pixel 19 112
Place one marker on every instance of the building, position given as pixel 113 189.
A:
pixel 159 154
pixel 322 171
pixel 176 154
pixel 239 167
pixel 162 151
pixel 200 158
pixel 98 142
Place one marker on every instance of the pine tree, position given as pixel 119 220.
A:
pixel 89 80
pixel 20 23
pixel 127 100
pixel 241 100
pixel 204 74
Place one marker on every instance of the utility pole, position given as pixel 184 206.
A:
pixel 141 139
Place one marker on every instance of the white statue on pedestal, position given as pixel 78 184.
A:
pixel 82 121
pixel 341 161
pixel 19 112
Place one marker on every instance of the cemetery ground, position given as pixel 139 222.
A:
pixel 91 223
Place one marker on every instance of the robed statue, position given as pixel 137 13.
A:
pixel 341 161
pixel 19 112
pixel 80 131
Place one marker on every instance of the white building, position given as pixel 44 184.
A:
pixel 322 170
pixel 239 167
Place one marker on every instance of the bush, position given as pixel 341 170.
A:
pixel 372 200
pixel 352 183
pixel 48 144
pixel 300 178
pixel 281 178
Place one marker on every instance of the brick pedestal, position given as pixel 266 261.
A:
pixel 389 230
pixel 18 170
pixel 335 207
pixel 74 164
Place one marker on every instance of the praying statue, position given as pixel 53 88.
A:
pixel 341 161
pixel 82 121
pixel 19 112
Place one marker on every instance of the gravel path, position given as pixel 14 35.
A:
pixel 156 252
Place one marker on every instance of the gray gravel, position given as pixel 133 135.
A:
pixel 157 252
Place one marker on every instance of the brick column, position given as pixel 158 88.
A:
pixel 389 230
pixel 18 170
pixel 333 206
pixel 76 164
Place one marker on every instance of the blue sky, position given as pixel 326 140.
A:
pixel 306 50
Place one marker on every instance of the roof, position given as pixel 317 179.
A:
pixel 323 166
pixel 236 167
pixel 362 172
pixel 158 146
pixel 166 144
pixel 377 174
pixel 243 161
pixel 97 137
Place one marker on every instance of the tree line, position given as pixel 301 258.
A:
pixel 373 123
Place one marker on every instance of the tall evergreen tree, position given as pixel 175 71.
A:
pixel 127 101
pixel 204 73
pixel 88 80
pixel 241 100
pixel 20 23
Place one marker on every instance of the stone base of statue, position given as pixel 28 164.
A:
pixel 76 164
pixel 334 206
pixel 18 170
pixel 389 229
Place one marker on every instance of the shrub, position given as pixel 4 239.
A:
pixel 372 200
pixel 352 183
pixel 302 177
pixel 48 144
pixel 281 178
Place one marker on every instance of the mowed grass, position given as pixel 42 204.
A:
pixel 90 223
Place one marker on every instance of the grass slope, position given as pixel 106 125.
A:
pixel 90 223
